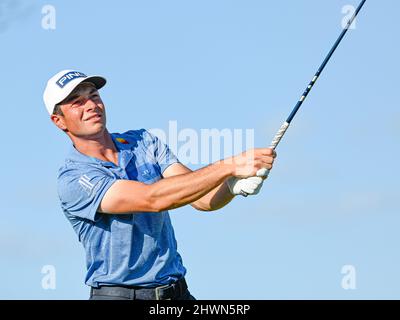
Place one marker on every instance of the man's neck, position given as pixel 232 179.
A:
pixel 101 147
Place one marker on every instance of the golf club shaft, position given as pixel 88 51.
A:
pixel 286 124
pixel 281 132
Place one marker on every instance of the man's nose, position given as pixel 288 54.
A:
pixel 90 104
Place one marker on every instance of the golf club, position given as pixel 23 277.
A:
pixel 285 125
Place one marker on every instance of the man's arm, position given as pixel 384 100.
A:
pixel 217 198
pixel 126 196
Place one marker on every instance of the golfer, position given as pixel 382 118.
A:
pixel 116 190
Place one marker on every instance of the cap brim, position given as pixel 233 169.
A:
pixel 98 81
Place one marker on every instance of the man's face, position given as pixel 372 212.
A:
pixel 84 112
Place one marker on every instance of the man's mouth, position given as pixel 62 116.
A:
pixel 94 117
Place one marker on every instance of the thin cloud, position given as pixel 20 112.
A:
pixel 13 12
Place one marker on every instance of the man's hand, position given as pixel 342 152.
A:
pixel 251 185
pixel 248 163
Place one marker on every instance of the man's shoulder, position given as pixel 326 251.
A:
pixel 72 169
pixel 134 133
pixel 74 179
pixel 135 137
pixel 137 134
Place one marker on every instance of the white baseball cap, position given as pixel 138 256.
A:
pixel 63 83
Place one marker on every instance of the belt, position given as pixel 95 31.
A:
pixel 167 292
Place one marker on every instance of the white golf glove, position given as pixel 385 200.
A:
pixel 251 185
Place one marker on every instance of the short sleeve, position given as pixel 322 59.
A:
pixel 162 153
pixel 81 190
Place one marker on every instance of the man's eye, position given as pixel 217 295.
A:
pixel 77 103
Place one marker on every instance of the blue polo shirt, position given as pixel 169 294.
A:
pixel 121 249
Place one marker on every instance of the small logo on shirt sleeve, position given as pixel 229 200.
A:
pixel 85 183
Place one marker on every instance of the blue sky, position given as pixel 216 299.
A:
pixel 332 198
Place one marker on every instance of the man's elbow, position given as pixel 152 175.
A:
pixel 156 205
pixel 202 207
pixel 160 204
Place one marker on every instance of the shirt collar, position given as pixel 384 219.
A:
pixel 123 148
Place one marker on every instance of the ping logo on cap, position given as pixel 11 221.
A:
pixel 63 81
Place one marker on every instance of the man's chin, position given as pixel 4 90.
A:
pixel 95 133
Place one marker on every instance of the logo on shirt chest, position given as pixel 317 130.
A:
pixel 122 140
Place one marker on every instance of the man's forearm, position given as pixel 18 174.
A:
pixel 177 191
pixel 215 199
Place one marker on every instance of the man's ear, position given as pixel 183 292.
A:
pixel 58 121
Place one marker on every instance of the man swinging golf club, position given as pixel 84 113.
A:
pixel 116 190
